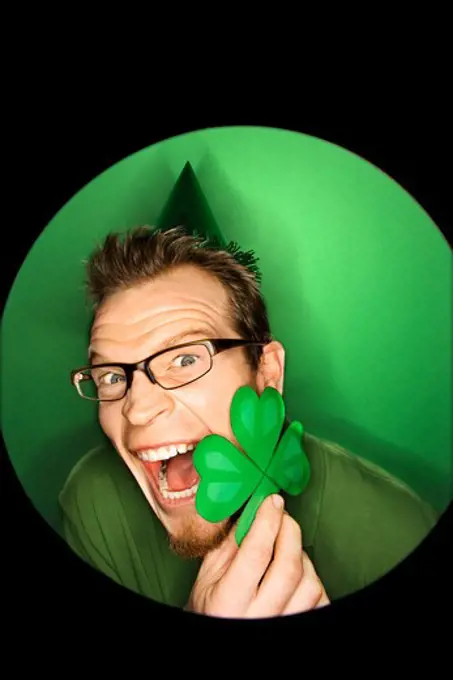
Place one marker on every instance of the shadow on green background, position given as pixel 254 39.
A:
pixel 356 276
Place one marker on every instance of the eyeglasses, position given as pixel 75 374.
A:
pixel 170 369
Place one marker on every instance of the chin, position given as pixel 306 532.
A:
pixel 192 537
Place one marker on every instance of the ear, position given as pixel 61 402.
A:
pixel 271 368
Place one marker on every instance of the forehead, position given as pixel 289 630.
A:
pixel 171 303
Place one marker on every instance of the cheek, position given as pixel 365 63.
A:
pixel 210 400
pixel 110 419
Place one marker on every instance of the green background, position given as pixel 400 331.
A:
pixel 356 275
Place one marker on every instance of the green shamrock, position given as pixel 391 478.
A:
pixel 229 476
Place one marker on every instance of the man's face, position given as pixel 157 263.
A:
pixel 138 322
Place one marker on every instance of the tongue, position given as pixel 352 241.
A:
pixel 181 473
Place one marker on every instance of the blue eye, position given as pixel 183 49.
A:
pixel 116 378
pixel 186 360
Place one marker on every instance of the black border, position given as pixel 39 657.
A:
pixel 47 584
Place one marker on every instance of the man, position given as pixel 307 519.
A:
pixel 171 342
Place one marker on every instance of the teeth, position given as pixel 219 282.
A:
pixel 180 494
pixel 165 452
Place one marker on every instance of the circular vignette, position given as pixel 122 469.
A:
pixel 355 274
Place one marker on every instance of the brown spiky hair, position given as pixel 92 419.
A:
pixel 122 261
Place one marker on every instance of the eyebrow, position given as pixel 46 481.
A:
pixel 92 355
pixel 169 342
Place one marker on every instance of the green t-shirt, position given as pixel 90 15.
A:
pixel 357 521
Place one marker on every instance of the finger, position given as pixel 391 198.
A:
pixel 310 593
pixel 253 557
pixel 284 574
pixel 220 557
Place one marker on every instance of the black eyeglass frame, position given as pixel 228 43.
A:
pixel 214 346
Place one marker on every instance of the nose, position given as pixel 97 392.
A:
pixel 145 402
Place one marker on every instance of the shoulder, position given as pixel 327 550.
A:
pixel 99 475
pixel 367 520
pixel 98 461
pixel 369 491
pixel 100 498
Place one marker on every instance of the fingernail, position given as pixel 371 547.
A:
pixel 277 501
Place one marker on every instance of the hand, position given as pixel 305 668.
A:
pixel 269 575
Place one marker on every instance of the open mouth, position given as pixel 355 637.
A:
pixel 171 472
